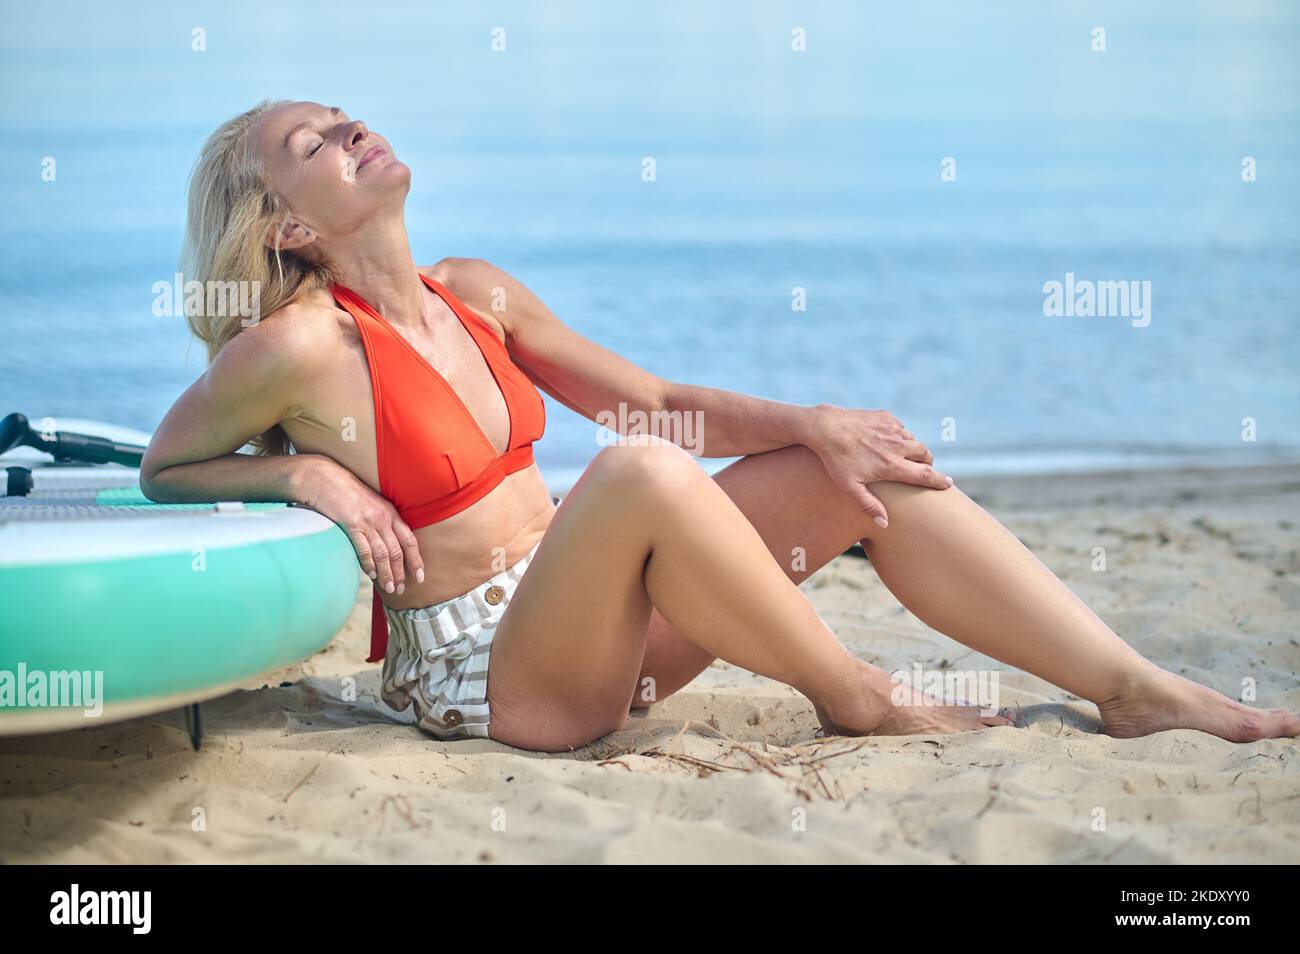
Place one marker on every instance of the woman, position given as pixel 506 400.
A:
pixel 408 395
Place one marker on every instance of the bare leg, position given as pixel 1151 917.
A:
pixel 961 572
pixel 643 527
pixel 964 574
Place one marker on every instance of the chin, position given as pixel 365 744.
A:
pixel 396 171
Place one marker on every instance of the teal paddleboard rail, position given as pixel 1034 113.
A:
pixel 196 599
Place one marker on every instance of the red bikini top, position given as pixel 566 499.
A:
pixel 434 458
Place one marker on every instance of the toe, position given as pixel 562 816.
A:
pixel 1287 724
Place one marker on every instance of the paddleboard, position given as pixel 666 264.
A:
pixel 113 606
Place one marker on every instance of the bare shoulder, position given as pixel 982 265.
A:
pixel 493 293
pixel 293 341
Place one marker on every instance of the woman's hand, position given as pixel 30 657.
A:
pixel 386 547
pixel 859 447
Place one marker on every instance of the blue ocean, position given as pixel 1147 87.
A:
pixel 853 203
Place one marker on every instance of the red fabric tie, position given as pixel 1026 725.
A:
pixel 378 629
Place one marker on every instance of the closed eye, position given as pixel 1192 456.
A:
pixel 315 149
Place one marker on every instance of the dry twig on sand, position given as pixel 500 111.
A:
pixel 796 764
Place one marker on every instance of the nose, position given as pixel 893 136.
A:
pixel 355 133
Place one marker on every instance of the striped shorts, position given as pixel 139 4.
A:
pixel 438 656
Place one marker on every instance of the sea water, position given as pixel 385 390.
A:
pixel 856 204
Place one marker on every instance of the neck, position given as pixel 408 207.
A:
pixel 377 264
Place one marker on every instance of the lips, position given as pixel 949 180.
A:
pixel 374 152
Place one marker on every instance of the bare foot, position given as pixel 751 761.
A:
pixel 914 713
pixel 1161 700
pixel 938 720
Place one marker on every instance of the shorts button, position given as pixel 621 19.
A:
pixel 452 718
pixel 494 595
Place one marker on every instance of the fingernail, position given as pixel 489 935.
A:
pixel 389 586
pixel 881 522
pixel 374 575
pixel 949 479
pixel 401 587
pixel 419 575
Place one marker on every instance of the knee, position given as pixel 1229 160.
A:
pixel 656 466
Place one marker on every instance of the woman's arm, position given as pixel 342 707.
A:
pixel 610 390
pixel 247 389
pixel 856 446
pixel 253 384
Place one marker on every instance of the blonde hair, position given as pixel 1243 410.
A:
pixel 231 209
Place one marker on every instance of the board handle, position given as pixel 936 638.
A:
pixel 15 431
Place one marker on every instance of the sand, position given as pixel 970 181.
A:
pixel 1201 576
